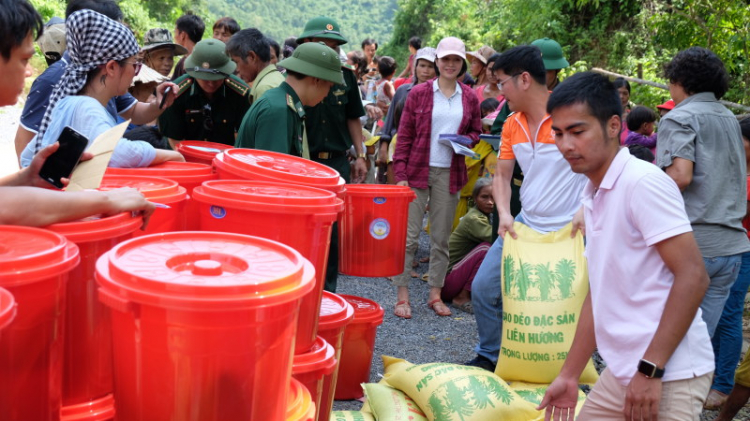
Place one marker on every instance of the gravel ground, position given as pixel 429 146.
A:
pixel 426 337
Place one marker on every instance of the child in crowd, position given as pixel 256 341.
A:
pixel 415 43
pixel 384 90
pixel 641 122
pixel 468 244
pixel 487 107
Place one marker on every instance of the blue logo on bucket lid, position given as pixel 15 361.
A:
pixel 379 200
pixel 218 212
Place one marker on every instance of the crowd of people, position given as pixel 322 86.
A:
pixel 662 199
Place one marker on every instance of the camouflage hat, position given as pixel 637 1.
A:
pixel 209 61
pixel 157 38
pixel 315 59
pixel 322 27
pixel 552 54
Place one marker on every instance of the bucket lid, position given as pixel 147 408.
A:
pixel 7 308
pixel 98 227
pixel 282 167
pixel 379 190
pixel 320 357
pixel 365 311
pixel 268 196
pixel 300 406
pixel 205 271
pixel 97 410
pixel 165 169
pixel 29 254
pixel 201 148
pixel 335 311
pixel 156 189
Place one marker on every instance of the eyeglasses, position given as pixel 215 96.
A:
pixel 500 84
pixel 208 122
pixel 136 66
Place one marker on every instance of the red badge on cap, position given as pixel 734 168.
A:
pixel 329 27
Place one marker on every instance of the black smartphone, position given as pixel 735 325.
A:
pixel 61 163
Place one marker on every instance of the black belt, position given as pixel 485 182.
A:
pixel 330 154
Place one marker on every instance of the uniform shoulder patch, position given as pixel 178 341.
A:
pixel 237 85
pixel 347 66
pixel 183 83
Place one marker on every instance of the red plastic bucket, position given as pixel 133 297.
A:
pixel 300 406
pixel 298 216
pixel 256 164
pixel 157 190
pixel 201 151
pixel 314 367
pixel 7 308
pixel 372 230
pixel 87 364
pixel 34 267
pixel 97 410
pixel 203 325
pixel 335 314
pixel 188 174
pixel 358 347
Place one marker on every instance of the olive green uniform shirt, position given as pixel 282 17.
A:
pixel 274 122
pixel 268 78
pixel 327 122
pixel 193 117
pixel 475 228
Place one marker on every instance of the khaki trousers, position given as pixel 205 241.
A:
pixel 442 208
pixel 681 400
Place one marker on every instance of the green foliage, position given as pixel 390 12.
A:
pixel 282 19
pixel 632 37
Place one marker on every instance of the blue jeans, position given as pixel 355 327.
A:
pixel 723 271
pixel 487 300
pixel 727 340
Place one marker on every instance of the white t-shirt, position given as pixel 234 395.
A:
pixel 636 206
pixel 447 114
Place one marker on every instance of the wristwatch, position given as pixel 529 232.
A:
pixel 362 155
pixel 650 370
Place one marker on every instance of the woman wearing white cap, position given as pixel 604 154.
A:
pixel 439 107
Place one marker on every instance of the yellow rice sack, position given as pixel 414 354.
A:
pixel 448 392
pixel 351 416
pixel 534 393
pixel 544 283
pixel 387 403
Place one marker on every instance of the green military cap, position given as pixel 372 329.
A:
pixel 322 27
pixel 315 59
pixel 552 54
pixel 209 61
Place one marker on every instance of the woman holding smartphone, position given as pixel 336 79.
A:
pixel 103 61
pixel 433 171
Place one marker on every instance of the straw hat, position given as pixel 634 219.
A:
pixel 483 54
pixel 148 75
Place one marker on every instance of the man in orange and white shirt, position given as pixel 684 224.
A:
pixel 550 194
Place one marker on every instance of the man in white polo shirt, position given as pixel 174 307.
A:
pixel 646 274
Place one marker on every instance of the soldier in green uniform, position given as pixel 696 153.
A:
pixel 334 126
pixel 275 121
pixel 211 102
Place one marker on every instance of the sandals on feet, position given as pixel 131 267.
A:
pixel 714 400
pixel 466 307
pixel 405 310
pixel 438 306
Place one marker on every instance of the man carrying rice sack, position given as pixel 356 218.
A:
pixel 646 274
